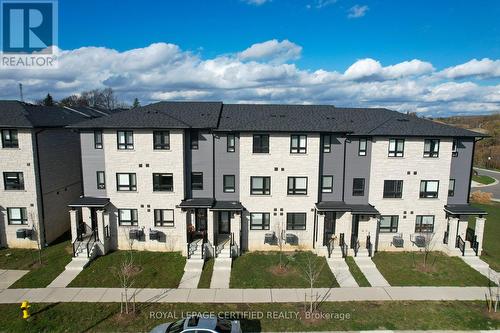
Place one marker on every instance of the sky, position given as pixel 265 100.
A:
pixel 432 57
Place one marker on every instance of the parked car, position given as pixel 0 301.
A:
pixel 197 324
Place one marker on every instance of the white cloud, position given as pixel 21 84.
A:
pixel 273 50
pixel 164 71
pixel 484 68
pixel 321 3
pixel 357 11
pixel 256 2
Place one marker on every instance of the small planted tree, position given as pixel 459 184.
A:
pixel 425 242
pixel 310 268
pixel 280 241
pixel 125 273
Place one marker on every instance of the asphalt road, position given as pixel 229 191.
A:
pixel 495 189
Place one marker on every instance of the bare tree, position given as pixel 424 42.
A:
pixel 108 98
pixel 424 240
pixel 310 268
pixel 125 273
pixel 280 241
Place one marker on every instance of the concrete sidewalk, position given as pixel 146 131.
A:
pixel 53 295
pixel 9 276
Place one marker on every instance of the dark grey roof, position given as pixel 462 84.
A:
pixel 228 205
pixel 197 202
pixel 341 206
pixel 91 112
pixel 161 115
pixel 464 209
pixel 89 202
pixel 15 114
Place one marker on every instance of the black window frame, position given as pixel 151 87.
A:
pixel 13 141
pixel 396 152
pixel 292 224
pixel 362 151
pixel 432 143
pixel 323 188
pixel 258 146
pixel 18 185
pixel 392 228
pixel 128 144
pixel 230 147
pixel 356 192
pixel 159 218
pixel 264 190
pixel 161 140
pixel 327 143
pixel 451 189
pixel 194 140
pixel 98 139
pixel 395 191
pixel 197 188
pixel 454 148
pixel 100 185
pixel 265 218
pixel 298 149
pixel 293 190
pixel 429 194
pixel 132 182
pixel 227 188
pixel 24 216
pixel 419 225
pixel 157 184
pixel 134 221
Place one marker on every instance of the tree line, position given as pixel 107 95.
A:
pixel 96 98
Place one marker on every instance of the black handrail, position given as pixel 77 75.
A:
pixel 369 245
pixel 329 247
pixel 469 235
pixel 460 243
pixel 355 244
pixel 188 251
pixel 475 245
pixel 343 245
pixel 94 237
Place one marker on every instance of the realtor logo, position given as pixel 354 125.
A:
pixel 29 33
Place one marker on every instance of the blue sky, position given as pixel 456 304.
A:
pixel 435 57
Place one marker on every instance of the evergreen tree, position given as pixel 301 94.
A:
pixel 48 100
pixel 136 103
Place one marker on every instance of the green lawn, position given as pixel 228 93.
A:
pixel 154 270
pixel 54 259
pixel 491 245
pixel 104 317
pixel 206 274
pixel 356 272
pixel 405 269
pixel 260 270
pixel 483 179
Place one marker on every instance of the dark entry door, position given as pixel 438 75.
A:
pixel 354 230
pixel 201 219
pixel 224 222
pixel 329 227
pixel 93 218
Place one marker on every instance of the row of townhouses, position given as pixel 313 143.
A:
pixel 214 179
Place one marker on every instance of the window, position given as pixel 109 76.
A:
pixel 13 181
pixel 17 216
pixel 101 180
pixel 429 188
pixel 231 143
pixel 260 185
pixel 164 217
pixel 393 188
pixel 295 221
pixel 260 143
pixel 327 184
pixel 327 143
pixel 362 147
pixel 228 183
pixel 9 138
pixel 125 140
pixel 451 188
pixel 127 217
pixel 194 139
pixel 161 140
pixel 298 144
pixel 126 182
pixel 98 139
pixel 163 182
pixel 259 221
pixel 424 224
pixel 197 180
pixel 396 147
pixel 297 185
pixel 389 223
pixel 358 187
pixel 454 148
pixel 431 148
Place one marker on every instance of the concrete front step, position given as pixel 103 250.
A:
pixel 363 253
pixel 371 272
pixel 222 273
pixel 77 263
pixel 341 272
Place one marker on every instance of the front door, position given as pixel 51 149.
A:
pixel 354 230
pixel 329 227
pixel 201 219
pixel 224 222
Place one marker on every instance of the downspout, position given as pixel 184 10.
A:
pixel 343 171
pixel 472 167
pixel 38 170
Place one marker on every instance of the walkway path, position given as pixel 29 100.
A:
pixel 482 268
pixel 222 273
pixel 192 273
pixel 53 295
pixel 9 276
pixel 371 272
pixel 343 275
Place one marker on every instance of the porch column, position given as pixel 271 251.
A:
pixel 73 217
pixel 321 229
pixel 479 230
pixel 100 226
pixel 107 241
pixel 210 226
pixel 236 228
pixel 372 231
pixel 186 219
pixel 452 237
